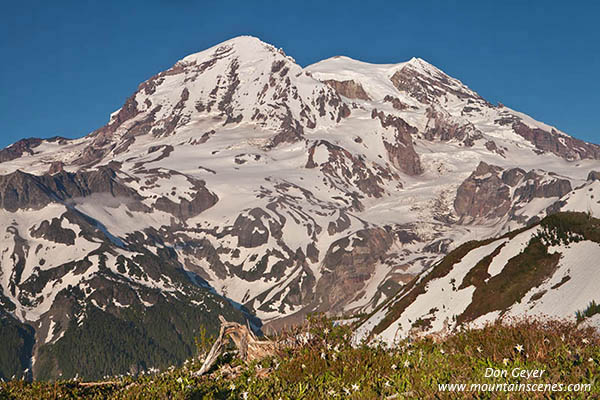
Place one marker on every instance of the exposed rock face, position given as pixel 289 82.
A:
pixel 19 148
pixel 427 84
pixel 343 166
pixel 401 153
pixel 54 232
pixel 491 146
pixel 202 199
pixel 349 263
pixel 513 176
pixel 349 89
pixel 593 176
pixel 25 146
pixel 487 193
pixel 440 126
pixel 483 194
pixel 535 185
pixel 250 230
pixel 396 103
pixel 21 190
pixel 561 145
pixel 56 167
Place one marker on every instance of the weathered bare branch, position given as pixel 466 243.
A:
pixel 249 346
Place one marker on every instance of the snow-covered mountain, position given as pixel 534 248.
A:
pixel 244 176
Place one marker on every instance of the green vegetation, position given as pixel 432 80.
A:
pixel 417 287
pixel 16 342
pixel 128 340
pixel 568 227
pixel 326 366
pixel 522 273
pixel 592 309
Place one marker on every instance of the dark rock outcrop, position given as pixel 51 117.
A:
pixel 513 176
pixel 428 88
pixel 349 89
pixel 20 190
pixel 593 176
pixel 343 165
pixel 486 193
pixel 53 231
pixel 440 126
pixel 402 153
pixel 563 146
pixel 25 146
pixel 202 199
pixel 250 230
pixel 396 103
pixel 536 186
pixel 483 194
pixel 349 263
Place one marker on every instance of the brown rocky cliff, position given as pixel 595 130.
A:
pixel 483 194
pixel 348 270
pixel 20 190
pixel 563 146
pixel 349 89
pixel 401 153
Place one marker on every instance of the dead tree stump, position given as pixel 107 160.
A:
pixel 249 346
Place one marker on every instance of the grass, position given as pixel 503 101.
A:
pixel 319 363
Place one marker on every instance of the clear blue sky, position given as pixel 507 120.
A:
pixel 65 66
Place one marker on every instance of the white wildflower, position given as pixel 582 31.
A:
pixel 232 387
pixel 245 395
pixel 505 361
pixel 355 387
pixel 323 356
pixel 585 341
pixel 406 364
pixel 479 349
pixel 394 366
pixel 519 348
pixel 326 331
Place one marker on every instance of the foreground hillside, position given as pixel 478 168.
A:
pixel 326 366
pixel 548 268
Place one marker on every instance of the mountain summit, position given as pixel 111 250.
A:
pixel 239 182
